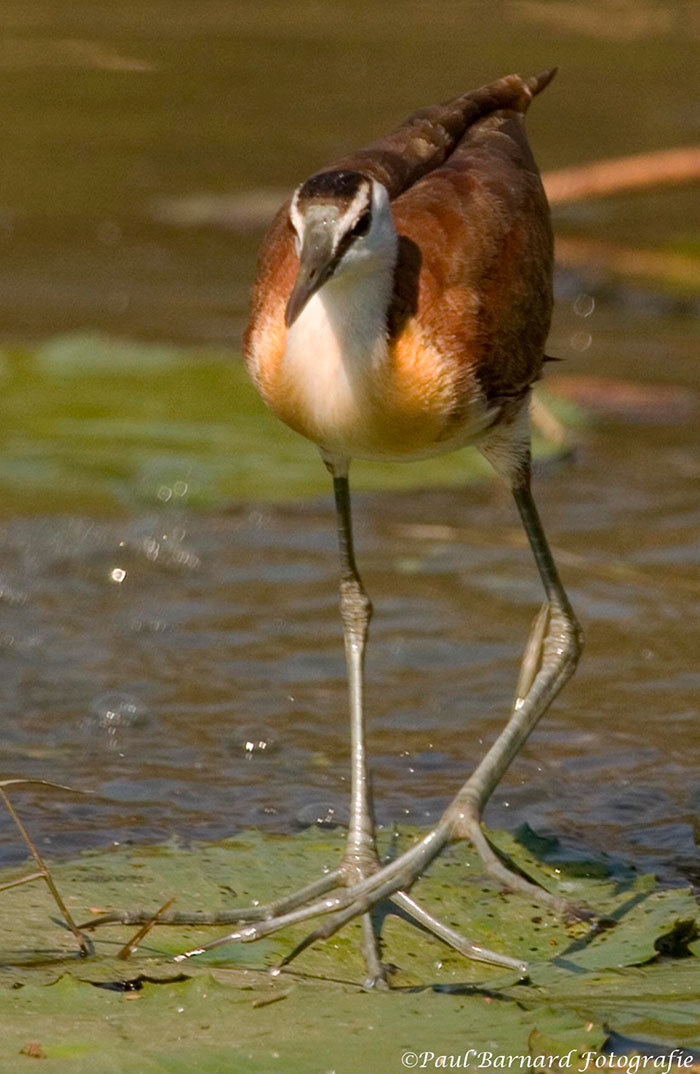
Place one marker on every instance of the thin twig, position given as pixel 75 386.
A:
pixel 265 1001
pixel 24 781
pixel 83 943
pixel 131 945
pixel 22 880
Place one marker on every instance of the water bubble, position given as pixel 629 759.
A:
pixel 581 341
pixel 175 482
pixel 584 305
pixel 253 742
pixel 148 625
pixel 323 814
pixel 147 540
pixel 112 715
pixel 251 745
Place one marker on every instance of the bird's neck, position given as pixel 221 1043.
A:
pixel 345 323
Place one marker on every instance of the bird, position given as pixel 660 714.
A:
pixel 400 309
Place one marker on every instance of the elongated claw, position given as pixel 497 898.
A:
pixel 237 916
pixel 511 880
pixel 341 908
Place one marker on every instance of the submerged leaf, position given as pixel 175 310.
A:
pixel 94 424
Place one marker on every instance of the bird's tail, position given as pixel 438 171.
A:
pixel 428 137
pixel 539 82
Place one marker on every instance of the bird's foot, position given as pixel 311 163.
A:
pixel 465 823
pixel 338 907
pixel 339 896
pixel 353 889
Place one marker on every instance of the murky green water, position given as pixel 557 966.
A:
pixel 168 626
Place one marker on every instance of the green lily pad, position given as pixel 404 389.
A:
pixel 225 1010
pixel 98 425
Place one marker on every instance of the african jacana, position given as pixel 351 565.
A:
pixel 401 307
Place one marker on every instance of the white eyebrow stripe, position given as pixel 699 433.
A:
pixel 362 200
pixel 294 215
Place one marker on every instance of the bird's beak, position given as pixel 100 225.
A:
pixel 316 263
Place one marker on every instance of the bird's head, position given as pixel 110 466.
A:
pixel 342 222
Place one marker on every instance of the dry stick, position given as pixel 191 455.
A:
pixel 265 1001
pixel 131 945
pixel 668 167
pixel 22 880
pixel 255 209
pixel 83 943
pixel 643 171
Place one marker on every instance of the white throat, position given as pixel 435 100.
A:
pixel 339 341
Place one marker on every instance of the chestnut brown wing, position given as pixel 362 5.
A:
pixel 479 230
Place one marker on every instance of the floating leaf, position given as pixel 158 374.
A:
pixel 224 1010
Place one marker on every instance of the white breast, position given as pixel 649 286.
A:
pixel 334 355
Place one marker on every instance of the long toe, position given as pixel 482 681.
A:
pixel 237 916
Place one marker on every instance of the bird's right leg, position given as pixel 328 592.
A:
pixel 360 859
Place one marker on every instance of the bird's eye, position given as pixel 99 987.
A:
pixel 362 226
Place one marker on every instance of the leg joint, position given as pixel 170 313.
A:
pixel 355 605
pixel 565 636
pixel 462 814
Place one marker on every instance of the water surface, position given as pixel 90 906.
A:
pixel 169 635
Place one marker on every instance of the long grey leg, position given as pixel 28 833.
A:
pixel 355 611
pixel 360 859
pixel 551 656
pixel 557 636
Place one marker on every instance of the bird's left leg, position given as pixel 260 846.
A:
pixel 551 656
pixel 360 858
